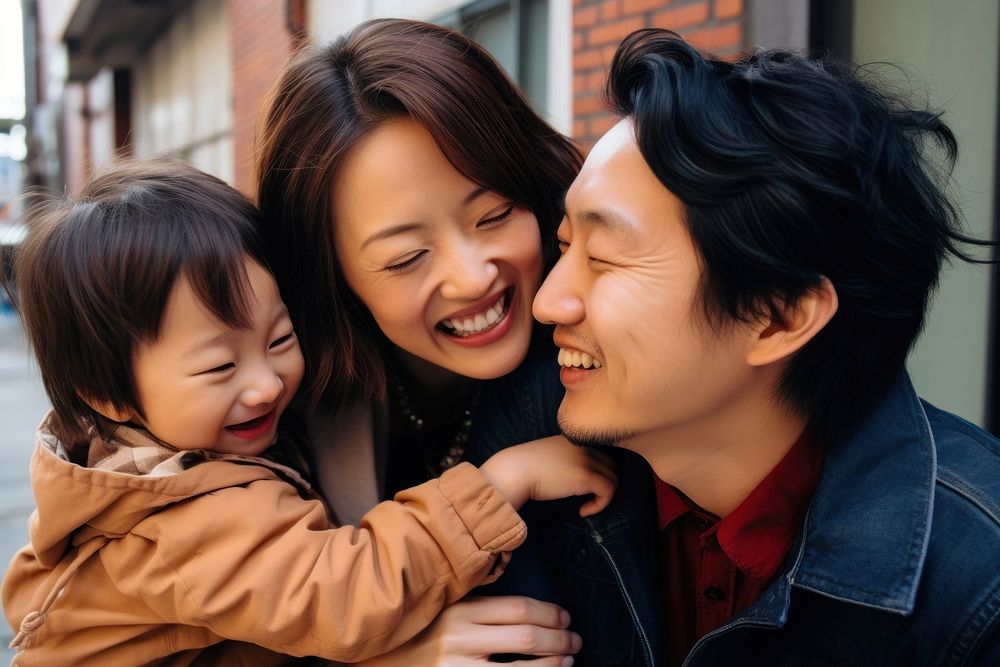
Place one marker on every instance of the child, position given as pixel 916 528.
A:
pixel 168 529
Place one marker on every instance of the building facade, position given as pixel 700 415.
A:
pixel 191 76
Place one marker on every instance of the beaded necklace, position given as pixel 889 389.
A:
pixel 414 423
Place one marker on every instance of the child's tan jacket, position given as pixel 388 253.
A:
pixel 146 555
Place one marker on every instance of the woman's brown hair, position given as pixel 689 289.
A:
pixel 327 100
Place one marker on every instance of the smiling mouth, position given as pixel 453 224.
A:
pixel 481 322
pixel 570 358
pixel 252 425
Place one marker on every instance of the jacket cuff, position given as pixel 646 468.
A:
pixel 490 519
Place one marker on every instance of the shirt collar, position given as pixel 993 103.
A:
pixel 670 503
pixel 866 533
pixel 757 535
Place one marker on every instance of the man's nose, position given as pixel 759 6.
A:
pixel 558 300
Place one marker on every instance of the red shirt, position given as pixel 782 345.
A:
pixel 716 568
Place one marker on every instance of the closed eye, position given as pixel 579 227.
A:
pixel 407 263
pixel 278 342
pixel 497 219
pixel 218 369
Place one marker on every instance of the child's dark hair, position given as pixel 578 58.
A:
pixel 792 169
pixel 93 277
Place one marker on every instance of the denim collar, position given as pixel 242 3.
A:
pixel 868 527
pixel 866 532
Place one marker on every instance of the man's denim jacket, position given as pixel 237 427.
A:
pixel 898 561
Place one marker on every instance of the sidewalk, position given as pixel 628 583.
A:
pixel 22 404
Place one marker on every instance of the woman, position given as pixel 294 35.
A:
pixel 411 196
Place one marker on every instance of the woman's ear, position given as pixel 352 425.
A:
pixel 107 410
pixel 801 321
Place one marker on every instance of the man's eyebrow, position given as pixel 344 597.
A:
pixel 609 222
pixel 391 231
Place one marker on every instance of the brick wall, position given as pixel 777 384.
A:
pixel 261 43
pixel 599 25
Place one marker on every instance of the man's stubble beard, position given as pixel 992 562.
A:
pixel 582 437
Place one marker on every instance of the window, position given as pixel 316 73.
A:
pixel 516 32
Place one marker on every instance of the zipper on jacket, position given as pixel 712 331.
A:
pixel 646 648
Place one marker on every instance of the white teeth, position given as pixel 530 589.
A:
pixel 479 322
pixel 577 359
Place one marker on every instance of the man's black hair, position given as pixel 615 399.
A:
pixel 792 169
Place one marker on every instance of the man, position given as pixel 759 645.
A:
pixel 747 260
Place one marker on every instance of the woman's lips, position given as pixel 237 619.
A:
pixel 493 332
pixel 474 322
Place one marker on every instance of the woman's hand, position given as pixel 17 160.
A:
pixel 469 631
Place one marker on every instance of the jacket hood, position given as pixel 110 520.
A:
pixel 128 477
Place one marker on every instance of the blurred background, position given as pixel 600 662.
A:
pixel 81 79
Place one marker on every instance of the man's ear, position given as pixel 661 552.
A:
pixel 801 322
pixel 107 410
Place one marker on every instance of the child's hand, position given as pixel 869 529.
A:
pixel 552 468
